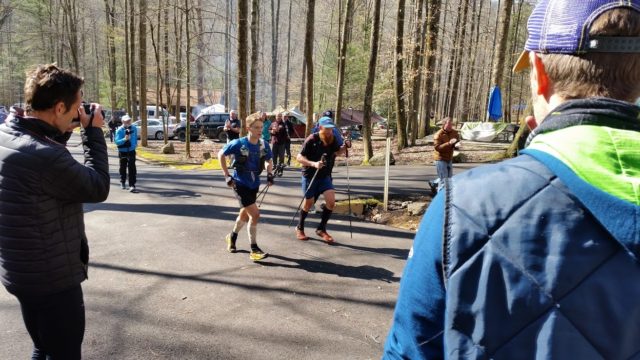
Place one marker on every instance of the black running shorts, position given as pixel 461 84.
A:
pixel 245 195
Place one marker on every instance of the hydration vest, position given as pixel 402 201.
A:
pixel 239 160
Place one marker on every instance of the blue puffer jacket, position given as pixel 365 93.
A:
pixel 510 299
pixel 526 260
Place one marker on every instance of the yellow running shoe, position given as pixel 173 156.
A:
pixel 256 254
pixel 231 244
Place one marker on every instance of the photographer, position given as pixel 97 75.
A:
pixel 127 140
pixel 44 252
pixel 232 126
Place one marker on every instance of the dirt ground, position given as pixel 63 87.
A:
pixel 397 214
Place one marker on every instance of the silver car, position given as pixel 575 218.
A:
pixel 155 129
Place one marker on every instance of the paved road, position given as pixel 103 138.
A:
pixel 162 286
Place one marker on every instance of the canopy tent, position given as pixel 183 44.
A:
pixel 215 108
pixel 482 131
pixel 352 117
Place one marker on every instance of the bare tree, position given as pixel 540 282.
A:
pixel 255 37
pixel 227 50
pixel 143 70
pixel 502 34
pixel 187 10
pixel 286 82
pixel 243 14
pixel 342 60
pixel 275 25
pixel 200 57
pixel 70 12
pixel 127 57
pixel 416 55
pixel 399 76
pixel 308 58
pixel 132 65
pixel 109 9
pixel 371 78
pixel 433 17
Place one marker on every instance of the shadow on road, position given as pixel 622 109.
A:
pixel 365 272
pixel 378 274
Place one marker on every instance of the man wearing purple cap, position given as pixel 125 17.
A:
pixel 538 256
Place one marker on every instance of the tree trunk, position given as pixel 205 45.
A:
pixel 127 58
pixel 143 71
pixel 111 51
pixel 167 79
pixel 200 57
pixel 401 119
pixel 178 24
pixel 227 49
pixel 243 14
pixel 431 48
pixel 500 50
pixel 303 84
pixel 275 24
pixel 343 61
pixel 71 14
pixel 415 72
pixel 187 10
pixel 255 51
pixel 132 66
pixel 308 58
pixel 457 65
pixel 371 77
pixel 286 82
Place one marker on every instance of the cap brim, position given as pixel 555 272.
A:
pixel 522 63
pixel 328 126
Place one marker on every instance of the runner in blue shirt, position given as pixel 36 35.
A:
pixel 250 156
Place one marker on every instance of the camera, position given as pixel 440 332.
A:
pixel 127 131
pixel 88 110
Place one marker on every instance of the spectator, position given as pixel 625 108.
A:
pixel 44 252
pixel 536 257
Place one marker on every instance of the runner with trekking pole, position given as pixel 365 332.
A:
pixel 317 158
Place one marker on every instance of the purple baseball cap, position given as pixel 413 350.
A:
pixel 562 27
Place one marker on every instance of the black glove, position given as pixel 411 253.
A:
pixel 229 181
pixel 270 178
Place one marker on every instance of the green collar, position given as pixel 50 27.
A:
pixel 605 157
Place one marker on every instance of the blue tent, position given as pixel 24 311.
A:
pixel 495 104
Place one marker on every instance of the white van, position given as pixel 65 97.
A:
pixel 151 112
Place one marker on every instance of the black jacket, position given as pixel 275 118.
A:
pixel 43 246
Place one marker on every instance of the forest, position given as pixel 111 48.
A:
pixel 412 62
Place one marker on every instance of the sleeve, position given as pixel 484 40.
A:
pixel 66 179
pixel 438 142
pixel 119 137
pixel 338 136
pixel 268 150
pixel 231 147
pixel 305 147
pixel 418 320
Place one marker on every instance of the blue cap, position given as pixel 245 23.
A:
pixel 326 122
pixel 328 113
pixel 562 27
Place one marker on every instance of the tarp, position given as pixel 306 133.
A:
pixel 352 117
pixel 216 108
pixel 495 104
pixel 481 131
pixel 298 114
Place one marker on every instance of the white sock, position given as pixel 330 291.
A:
pixel 238 225
pixel 252 230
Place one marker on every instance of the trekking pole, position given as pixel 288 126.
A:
pixel 322 159
pixel 264 194
pixel 349 188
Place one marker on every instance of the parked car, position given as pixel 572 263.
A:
pixel 155 129
pixel 212 125
pixel 180 131
pixel 183 117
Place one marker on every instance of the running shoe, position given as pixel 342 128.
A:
pixel 231 244
pixel 300 234
pixel 256 254
pixel 326 237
